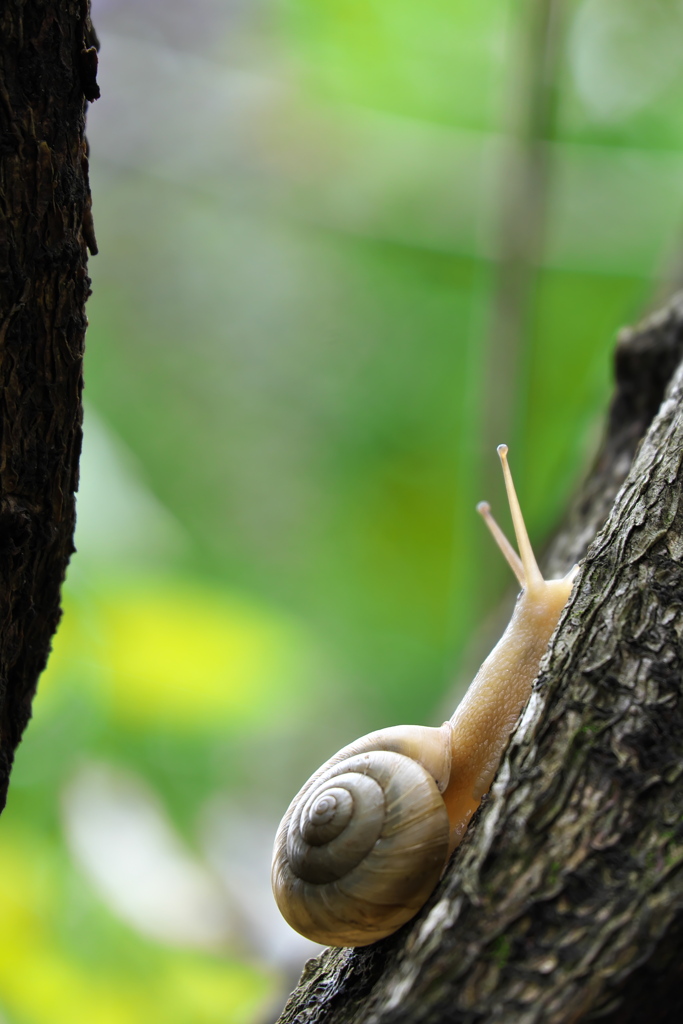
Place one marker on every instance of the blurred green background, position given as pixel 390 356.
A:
pixel 345 249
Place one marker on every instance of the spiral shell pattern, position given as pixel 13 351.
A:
pixel 360 849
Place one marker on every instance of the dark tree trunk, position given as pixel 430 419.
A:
pixel 565 901
pixel 47 70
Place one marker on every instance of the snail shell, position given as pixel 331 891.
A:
pixel 365 840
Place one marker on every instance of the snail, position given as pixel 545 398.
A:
pixel 367 838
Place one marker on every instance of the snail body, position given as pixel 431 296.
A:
pixel 366 839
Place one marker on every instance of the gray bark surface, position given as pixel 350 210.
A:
pixel 47 71
pixel 565 901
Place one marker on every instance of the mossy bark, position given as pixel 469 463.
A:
pixel 565 901
pixel 48 64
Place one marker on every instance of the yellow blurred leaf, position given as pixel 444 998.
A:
pixel 42 984
pixel 178 654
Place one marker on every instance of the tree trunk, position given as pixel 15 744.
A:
pixel 565 901
pixel 48 64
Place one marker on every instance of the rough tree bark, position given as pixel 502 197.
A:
pixel 565 901
pixel 48 65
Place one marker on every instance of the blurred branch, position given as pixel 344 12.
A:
pixel 565 901
pixel 47 69
pixel 524 189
